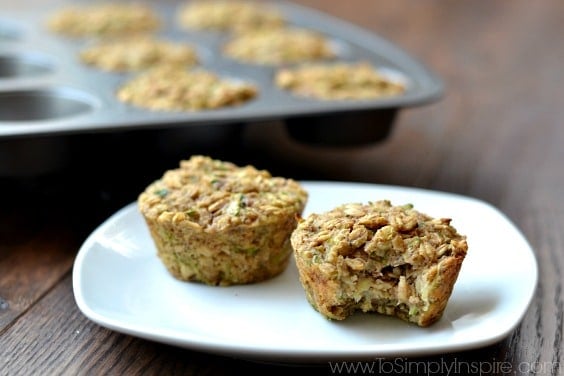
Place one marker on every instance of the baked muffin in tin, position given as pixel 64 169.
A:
pixel 104 20
pixel 176 88
pixel 275 46
pixel 338 81
pixel 229 15
pixel 137 53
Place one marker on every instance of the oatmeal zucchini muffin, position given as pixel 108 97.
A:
pixel 279 46
pixel 338 81
pixel 376 257
pixel 174 88
pixel 229 15
pixel 221 224
pixel 104 20
pixel 137 53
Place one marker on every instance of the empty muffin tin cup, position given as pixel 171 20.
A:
pixel 8 33
pixel 43 104
pixel 22 66
pixel 346 129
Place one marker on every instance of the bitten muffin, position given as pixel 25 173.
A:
pixel 104 20
pixel 137 53
pixel 376 257
pixel 221 224
pixel 279 46
pixel 229 15
pixel 174 88
pixel 337 81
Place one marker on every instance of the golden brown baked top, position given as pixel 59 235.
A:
pixel 376 235
pixel 280 45
pixel 339 81
pixel 101 20
pixel 136 53
pixel 376 257
pixel 214 195
pixel 173 88
pixel 229 15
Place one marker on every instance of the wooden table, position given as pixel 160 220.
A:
pixel 496 135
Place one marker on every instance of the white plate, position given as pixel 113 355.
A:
pixel 120 284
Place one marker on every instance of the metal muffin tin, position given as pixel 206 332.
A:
pixel 45 90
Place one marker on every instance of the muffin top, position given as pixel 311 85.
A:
pixel 229 15
pixel 176 88
pixel 279 46
pixel 338 81
pixel 215 195
pixel 376 235
pixel 136 53
pixel 103 20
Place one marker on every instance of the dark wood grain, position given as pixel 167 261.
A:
pixel 496 135
pixel 45 259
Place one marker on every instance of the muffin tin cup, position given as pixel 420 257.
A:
pixel 46 90
pixel 28 105
pixel 342 129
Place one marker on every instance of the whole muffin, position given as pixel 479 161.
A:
pixel 376 257
pixel 221 224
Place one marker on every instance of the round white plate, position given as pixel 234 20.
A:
pixel 120 284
